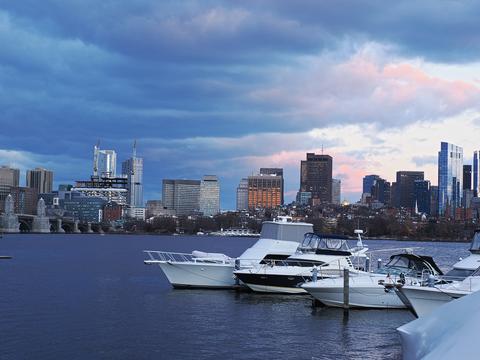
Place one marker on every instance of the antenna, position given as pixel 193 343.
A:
pixel 135 148
pixel 322 149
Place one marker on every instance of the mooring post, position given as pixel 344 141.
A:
pixel 346 290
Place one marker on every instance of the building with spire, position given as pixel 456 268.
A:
pixel 132 169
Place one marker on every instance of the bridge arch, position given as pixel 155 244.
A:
pixel 24 226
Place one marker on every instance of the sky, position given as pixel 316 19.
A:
pixel 227 87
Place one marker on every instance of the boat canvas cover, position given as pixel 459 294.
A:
pixel 448 332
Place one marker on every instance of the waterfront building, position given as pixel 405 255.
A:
pixel 277 172
pixel 112 212
pixel 467 177
pixel 304 198
pixel 336 191
pixel 40 179
pixel 182 196
pixel 450 178
pixel 422 196
pixel 242 195
pixel 405 188
pixel 209 195
pixel 84 208
pixel 24 200
pixel 316 177
pixel 9 178
pixel 156 208
pixel 264 191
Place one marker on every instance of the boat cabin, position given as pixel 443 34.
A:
pixel 410 265
pixel 325 244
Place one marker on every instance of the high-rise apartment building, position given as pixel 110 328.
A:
pixel 132 169
pixel 467 177
pixel 242 195
pixel 316 177
pixel 336 191
pixel 8 178
pixel 277 172
pixel 209 195
pixel 405 188
pixel 104 162
pixel 40 180
pixel 25 200
pixel 264 191
pixel 450 178
pixel 183 196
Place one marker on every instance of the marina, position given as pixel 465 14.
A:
pixel 56 307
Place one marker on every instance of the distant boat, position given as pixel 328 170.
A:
pixel 240 232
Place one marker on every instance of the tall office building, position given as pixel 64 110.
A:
pixel 104 162
pixel 433 200
pixel 277 172
pixel 476 184
pixel 467 177
pixel 264 191
pixel 242 195
pixel 405 188
pixel 316 177
pixel 368 182
pixel 450 178
pixel 380 191
pixel 209 195
pixel 8 178
pixel 336 191
pixel 40 180
pixel 183 196
pixel 25 200
pixel 132 169
pixel 422 196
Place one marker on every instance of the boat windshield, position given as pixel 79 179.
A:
pixel 329 242
pixel 475 246
pixel 407 264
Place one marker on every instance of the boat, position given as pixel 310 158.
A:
pixel 466 267
pixel 326 254
pixel 372 290
pixel 448 332
pixel 279 239
pixel 424 299
pixel 235 232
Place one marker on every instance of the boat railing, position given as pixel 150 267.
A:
pixel 156 257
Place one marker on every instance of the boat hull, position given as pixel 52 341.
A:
pixel 270 283
pixel 368 295
pixel 197 275
pixel 423 300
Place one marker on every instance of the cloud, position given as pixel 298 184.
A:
pixel 425 160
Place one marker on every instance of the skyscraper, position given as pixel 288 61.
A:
pixel 264 191
pixel 316 177
pixel 467 177
pixel 405 188
pixel 132 169
pixel 450 178
pixel 104 162
pixel 209 195
pixel 476 184
pixel 422 196
pixel 380 191
pixel 368 182
pixel 40 180
pixel 336 191
pixel 277 172
pixel 183 196
pixel 242 195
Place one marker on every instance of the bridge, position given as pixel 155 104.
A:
pixel 60 224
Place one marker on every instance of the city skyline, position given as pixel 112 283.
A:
pixel 226 88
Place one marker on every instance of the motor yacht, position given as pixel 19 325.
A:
pixel 368 290
pixel 278 240
pixel 424 299
pixel 466 267
pixel 328 255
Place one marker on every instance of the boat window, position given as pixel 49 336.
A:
pixel 458 274
pixel 398 261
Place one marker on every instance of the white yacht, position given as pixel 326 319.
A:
pixel 329 254
pixel 368 290
pixel 278 240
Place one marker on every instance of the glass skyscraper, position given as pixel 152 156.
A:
pixel 450 178
pixel 132 169
pixel 475 172
pixel 209 195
